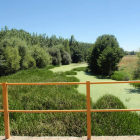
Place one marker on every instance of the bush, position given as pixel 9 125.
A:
pixel 50 67
pixel 114 123
pixel 71 73
pixel 85 69
pixel 120 76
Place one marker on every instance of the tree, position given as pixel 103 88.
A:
pixel 12 59
pixel 66 46
pixel 106 55
pixel 55 55
pixel 66 59
pixel 89 52
pixel 41 57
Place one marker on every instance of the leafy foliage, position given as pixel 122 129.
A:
pixel 85 69
pixel 12 59
pixel 52 97
pixel 71 73
pixel 41 57
pixel 136 72
pixel 105 55
pixel 78 50
pixel 114 123
pixel 120 76
pixel 56 55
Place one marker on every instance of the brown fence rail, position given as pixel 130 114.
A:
pixel 88 110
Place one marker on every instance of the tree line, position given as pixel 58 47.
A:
pixel 22 50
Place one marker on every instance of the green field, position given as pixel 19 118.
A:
pixel 127 93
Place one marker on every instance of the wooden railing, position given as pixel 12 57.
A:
pixel 88 110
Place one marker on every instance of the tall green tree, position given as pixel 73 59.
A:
pixel 106 55
pixel 12 59
pixel 41 57
pixel 66 46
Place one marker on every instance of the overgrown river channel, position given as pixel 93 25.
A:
pixel 129 95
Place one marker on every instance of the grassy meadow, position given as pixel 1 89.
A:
pixel 125 68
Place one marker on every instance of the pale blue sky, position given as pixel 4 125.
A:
pixel 85 19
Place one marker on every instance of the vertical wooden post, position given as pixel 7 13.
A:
pixel 88 111
pixel 6 113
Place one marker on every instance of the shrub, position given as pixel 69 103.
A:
pixel 50 67
pixel 71 73
pixel 114 123
pixel 120 76
pixel 85 69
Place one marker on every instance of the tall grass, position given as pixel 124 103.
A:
pixel 60 97
pixel 44 98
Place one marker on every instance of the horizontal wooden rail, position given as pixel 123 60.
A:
pixel 71 83
pixel 45 111
pixel 63 83
pixel 115 82
pixel 113 110
pixel 6 111
pixel 58 111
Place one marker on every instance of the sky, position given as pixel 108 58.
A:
pixel 85 19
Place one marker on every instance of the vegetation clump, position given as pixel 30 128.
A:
pixel 71 73
pixel 105 55
pixel 120 76
pixel 114 123
pixel 59 97
pixel 85 69
pixel 21 50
